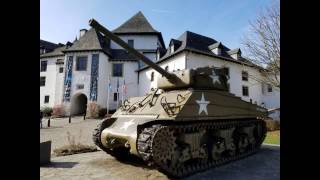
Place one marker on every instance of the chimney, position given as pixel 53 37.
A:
pixel 82 32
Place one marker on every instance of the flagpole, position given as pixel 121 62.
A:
pixel 122 91
pixel 118 93
pixel 108 97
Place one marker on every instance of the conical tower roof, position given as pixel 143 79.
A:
pixel 136 24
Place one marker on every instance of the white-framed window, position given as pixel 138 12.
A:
pixel 269 87
pixel 42 81
pixel 43 66
pixel 115 96
pixel 171 48
pixel 152 76
pixel 117 69
pixel 81 64
pixel 245 91
pixel 46 99
pixel 245 76
pixel 131 43
pixel 158 55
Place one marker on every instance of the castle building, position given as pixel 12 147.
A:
pixel 95 69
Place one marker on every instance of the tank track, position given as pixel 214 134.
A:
pixel 120 153
pixel 147 135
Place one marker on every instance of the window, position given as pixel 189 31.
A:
pixel 152 76
pixel 171 48
pixel 269 88
pixel 131 43
pixel 80 86
pixel 61 70
pixel 42 81
pixel 115 96
pixel 158 55
pixel 245 76
pixel 43 67
pixel 227 71
pixel 245 91
pixel 117 70
pixel 82 63
pixel 46 99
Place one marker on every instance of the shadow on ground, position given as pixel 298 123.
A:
pixel 131 160
pixel 60 165
pixel 52 127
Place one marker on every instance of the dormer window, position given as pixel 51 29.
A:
pixel 216 48
pixel 171 48
pixel 235 53
pixel 158 54
pixel 216 51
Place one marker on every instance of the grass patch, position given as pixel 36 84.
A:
pixel 273 137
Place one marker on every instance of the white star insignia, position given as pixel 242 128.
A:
pixel 203 105
pixel 214 77
pixel 127 124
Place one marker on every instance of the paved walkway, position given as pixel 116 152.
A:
pixel 264 165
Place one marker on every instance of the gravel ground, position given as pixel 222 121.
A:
pixel 80 129
pixel 264 165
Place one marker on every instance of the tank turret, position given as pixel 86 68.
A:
pixel 190 126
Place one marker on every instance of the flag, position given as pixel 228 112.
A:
pixel 109 84
pixel 124 87
pixel 118 85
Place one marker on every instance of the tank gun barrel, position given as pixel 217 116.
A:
pixel 98 27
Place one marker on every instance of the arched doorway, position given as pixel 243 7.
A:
pixel 78 104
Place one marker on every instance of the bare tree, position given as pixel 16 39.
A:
pixel 262 43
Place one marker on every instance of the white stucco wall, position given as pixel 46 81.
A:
pixel 145 84
pixel 140 41
pixel 130 76
pixel 235 70
pixel 59 83
pixel 50 86
pixel 102 80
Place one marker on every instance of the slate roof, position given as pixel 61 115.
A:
pixel 138 24
pixel 197 43
pixel 90 41
pixel 176 43
pixel 54 53
pixel 215 45
pixel 49 46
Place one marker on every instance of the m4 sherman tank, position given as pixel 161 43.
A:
pixel 190 123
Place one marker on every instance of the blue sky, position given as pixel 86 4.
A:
pixel 223 20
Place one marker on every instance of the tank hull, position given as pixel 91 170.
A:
pixel 193 131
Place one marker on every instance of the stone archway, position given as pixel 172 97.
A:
pixel 79 104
